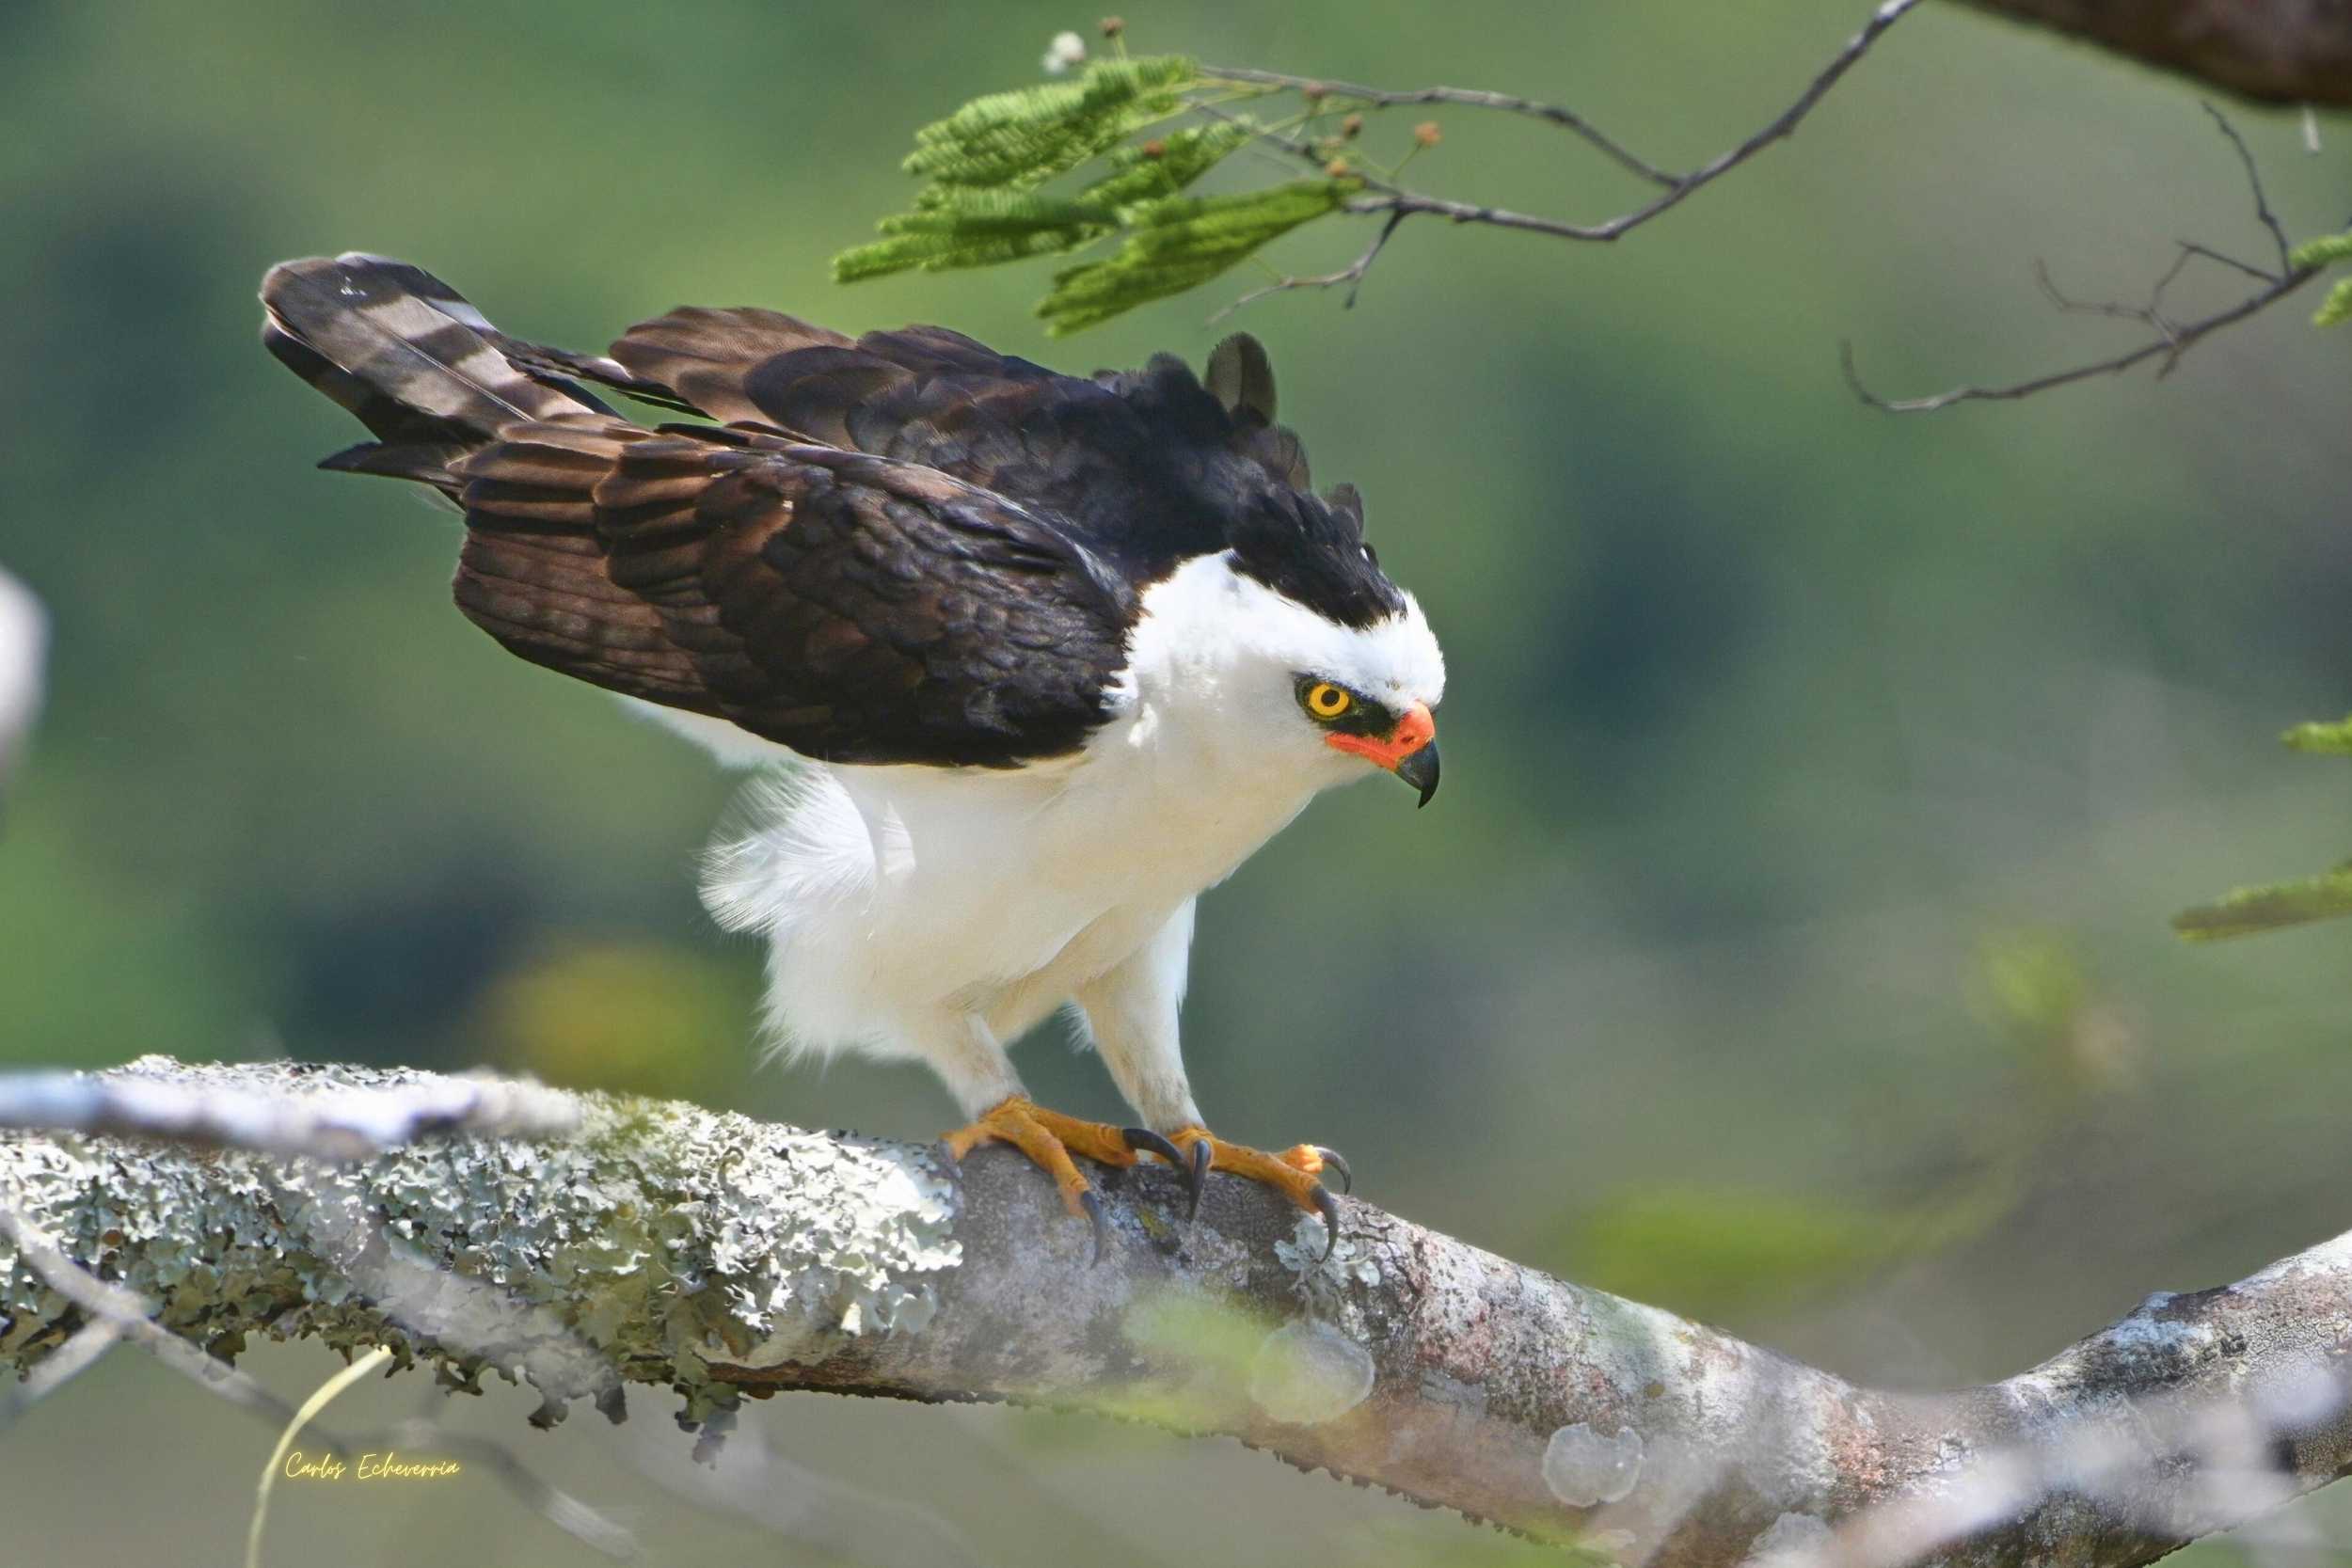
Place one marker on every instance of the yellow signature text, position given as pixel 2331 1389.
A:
pixel 389 1465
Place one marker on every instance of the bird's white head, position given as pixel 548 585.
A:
pixel 1236 667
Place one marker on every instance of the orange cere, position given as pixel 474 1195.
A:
pixel 1413 731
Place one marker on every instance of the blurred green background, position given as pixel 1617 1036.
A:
pixel 1788 946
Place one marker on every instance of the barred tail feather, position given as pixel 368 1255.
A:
pixel 423 370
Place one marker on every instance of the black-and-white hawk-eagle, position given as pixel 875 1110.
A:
pixel 1037 659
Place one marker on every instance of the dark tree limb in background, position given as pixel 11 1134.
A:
pixel 722 1256
pixel 2272 51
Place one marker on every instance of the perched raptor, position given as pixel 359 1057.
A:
pixel 1037 657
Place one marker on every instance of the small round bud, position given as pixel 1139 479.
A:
pixel 1352 126
pixel 1114 25
pixel 1315 92
pixel 1427 134
pixel 1155 148
pixel 1337 168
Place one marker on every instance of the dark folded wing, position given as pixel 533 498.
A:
pixel 849 607
pixel 1149 467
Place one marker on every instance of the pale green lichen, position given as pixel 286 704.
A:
pixel 660 1241
pixel 1322 1269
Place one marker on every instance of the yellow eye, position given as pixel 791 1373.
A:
pixel 1327 702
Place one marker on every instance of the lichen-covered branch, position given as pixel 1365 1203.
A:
pixel 721 1256
pixel 2272 51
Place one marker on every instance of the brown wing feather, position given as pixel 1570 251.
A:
pixel 534 574
pixel 705 354
pixel 1150 468
pixel 848 607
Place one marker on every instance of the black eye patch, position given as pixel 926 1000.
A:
pixel 1366 718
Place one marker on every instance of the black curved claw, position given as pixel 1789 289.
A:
pixel 1149 1142
pixel 1091 1202
pixel 1332 1158
pixel 1329 1207
pixel 1193 1167
pixel 1197 1176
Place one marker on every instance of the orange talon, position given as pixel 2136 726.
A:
pixel 1295 1172
pixel 1049 1139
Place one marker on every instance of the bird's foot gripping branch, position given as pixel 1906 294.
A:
pixel 718 1257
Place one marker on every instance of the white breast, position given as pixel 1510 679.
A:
pixel 890 894
pixel 889 890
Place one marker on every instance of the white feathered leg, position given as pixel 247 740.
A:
pixel 967 1056
pixel 1131 1011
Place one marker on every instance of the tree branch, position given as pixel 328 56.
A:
pixel 1393 203
pixel 2173 338
pixel 345 1125
pixel 720 1257
pixel 1473 98
pixel 2176 340
pixel 2272 51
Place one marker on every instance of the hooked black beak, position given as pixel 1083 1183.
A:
pixel 1419 770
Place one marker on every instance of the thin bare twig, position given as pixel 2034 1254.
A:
pixel 2173 338
pixel 1469 98
pixel 1352 275
pixel 2254 180
pixel 821 1515
pixel 2185 337
pixel 130 1315
pixel 2212 255
pixel 115 1315
pixel 347 1124
pixel 90 1342
pixel 1399 203
pixel 2151 313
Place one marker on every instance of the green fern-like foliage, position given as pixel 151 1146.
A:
pixel 969 226
pixel 2297 903
pixel 2321 251
pixel 2248 910
pixel 2325 251
pixel 2333 740
pixel 1028 136
pixel 1168 164
pixel 1180 242
pixel 987 169
pixel 983 165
